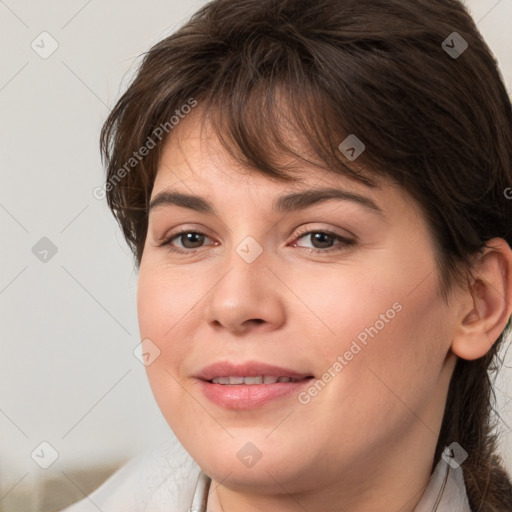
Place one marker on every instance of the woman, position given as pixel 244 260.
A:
pixel 317 195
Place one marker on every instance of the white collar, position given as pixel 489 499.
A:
pixel 445 491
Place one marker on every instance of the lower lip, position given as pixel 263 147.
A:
pixel 243 396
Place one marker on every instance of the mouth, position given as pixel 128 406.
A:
pixel 250 385
pixel 250 372
pixel 251 381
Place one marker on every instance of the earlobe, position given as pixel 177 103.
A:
pixel 487 304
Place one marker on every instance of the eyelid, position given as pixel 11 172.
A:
pixel 166 239
pixel 303 230
pixel 346 241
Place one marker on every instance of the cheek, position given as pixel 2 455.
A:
pixel 390 363
pixel 167 300
pixel 170 307
pixel 161 312
pixel 389 333
pixel 344 304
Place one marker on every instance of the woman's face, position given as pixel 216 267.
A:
pixel 337 291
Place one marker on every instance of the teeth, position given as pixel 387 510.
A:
pixel 253 380
pixel 221 380
pixel 267 379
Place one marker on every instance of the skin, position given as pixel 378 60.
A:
pixel 367 440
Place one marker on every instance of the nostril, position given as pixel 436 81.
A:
pixel 258 320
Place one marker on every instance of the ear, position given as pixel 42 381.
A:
pixel 487 305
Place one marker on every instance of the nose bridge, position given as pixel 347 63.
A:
pixel 247 290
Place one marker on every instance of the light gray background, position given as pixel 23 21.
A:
pixel 68 375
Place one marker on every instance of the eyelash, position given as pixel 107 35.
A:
pixel 346 242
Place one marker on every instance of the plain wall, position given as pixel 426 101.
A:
pixel 68 375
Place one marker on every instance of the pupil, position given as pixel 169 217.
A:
pixel 323 239
pixel 189 238
pixel 319 236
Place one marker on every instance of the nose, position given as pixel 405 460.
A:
pixel 246 296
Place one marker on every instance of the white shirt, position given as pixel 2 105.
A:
pixel 167 479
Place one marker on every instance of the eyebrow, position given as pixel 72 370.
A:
pixel 284 204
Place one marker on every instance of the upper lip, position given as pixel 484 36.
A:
pixel 247 369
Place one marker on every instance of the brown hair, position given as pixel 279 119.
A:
pixel 437 124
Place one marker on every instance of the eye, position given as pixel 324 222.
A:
pixel 190 240
pixel 323 241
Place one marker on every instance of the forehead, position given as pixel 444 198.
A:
pixel 196 172
pixel 203 176
pixel 193 152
